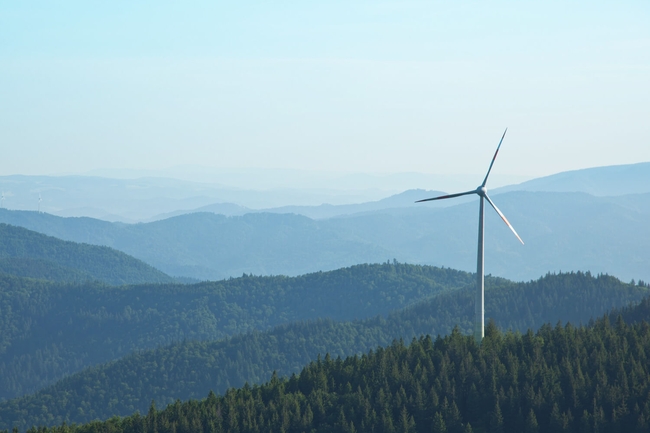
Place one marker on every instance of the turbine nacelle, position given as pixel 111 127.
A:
pixel 481 191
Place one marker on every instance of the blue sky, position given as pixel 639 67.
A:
pixel 355 86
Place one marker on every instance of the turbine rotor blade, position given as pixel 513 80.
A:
pixel 494 158
pixel 442 197
pixel 503 217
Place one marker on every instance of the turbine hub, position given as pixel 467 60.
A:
pixel 481 190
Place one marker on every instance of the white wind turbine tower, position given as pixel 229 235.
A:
pixel 39 203
pixel 481 191
pixel 2 205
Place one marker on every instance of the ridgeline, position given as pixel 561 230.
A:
pixel 50 330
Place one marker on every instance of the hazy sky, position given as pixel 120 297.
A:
pixel 356 86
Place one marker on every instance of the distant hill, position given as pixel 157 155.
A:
pixel 26 253
pixel 404 199
pixel 562 231
pixel 139 199
pixel 51 330
pixel 152 195
pixel 189 370
pixel 227 209
pixel 610 180
pixel 209 246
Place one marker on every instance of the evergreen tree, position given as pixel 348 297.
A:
pixel 439 424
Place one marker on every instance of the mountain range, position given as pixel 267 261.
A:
pixel 562 231
pixel 146 196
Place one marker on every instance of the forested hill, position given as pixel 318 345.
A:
pixel 561 379
pixel 51 330
pixel 634 313
pixel 190 369
pixel 26 253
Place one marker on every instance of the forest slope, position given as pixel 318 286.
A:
pixel 562 379
pixel 191 369
pixel 51 330
pixel 26 253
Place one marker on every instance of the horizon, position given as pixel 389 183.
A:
pixel 133 199
pixel 193 173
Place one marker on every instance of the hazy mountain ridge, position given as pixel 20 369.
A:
pixel 405 199
pixel 209 246
pixel 134 200
pixel 141 196
pixel 562 231
pixel 191 369
pixel 610 180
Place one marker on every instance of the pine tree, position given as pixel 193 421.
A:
pixel 439 424
pixel 496 419
pixel 556 421
pixel 531 423
pixel 152 418
pixel 407 423
pixel 387 422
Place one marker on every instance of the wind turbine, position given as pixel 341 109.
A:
pixel 3 200
pixel 481 191
pixel 39 203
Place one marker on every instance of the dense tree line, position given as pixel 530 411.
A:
pixel 50 330
pixel 190 369
pixel 634 313
pixel 560 379
pixel 26 253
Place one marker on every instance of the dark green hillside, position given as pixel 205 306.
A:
pixel 190 369
pixel 48 331
pixel 634 313
pixel 561 379
pixel 42 270
pixel 26 253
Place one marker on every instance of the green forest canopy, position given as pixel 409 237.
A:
pixel 190 369
pixel 50 330
pixel 26 253
pixel 560 379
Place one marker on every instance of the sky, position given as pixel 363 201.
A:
pixel 333 86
